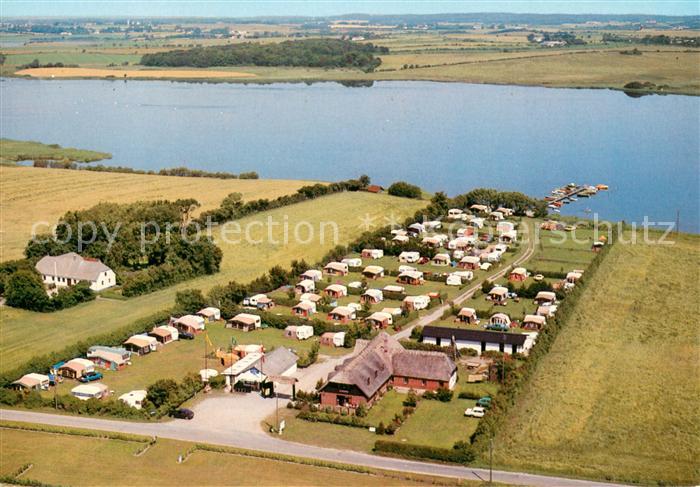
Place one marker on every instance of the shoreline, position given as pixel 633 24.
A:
pixel 361 82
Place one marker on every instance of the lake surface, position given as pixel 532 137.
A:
pixel 442 136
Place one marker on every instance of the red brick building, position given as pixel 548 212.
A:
pixel 363 378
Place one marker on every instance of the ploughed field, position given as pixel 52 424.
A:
pixel 616 397
pixel 24 334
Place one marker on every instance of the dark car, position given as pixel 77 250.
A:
pixel 91 376
pixel 182 413
pixel 185 335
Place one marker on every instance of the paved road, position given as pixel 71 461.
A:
pixel 436 313
pixel 228 435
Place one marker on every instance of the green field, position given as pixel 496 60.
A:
pixel 24 334
pixel 616 397
pixel 62 459
pixel 21 150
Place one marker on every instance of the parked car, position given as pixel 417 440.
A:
pixel 484 402
pixel 185 335
pixel 182 413
pixel 91 376
pixel 475 412
pixel 497 327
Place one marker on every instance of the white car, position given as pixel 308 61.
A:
pixel 475 412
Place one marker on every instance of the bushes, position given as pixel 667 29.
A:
pixel 461 453
pixel 333 418
pixel 166 394
pixel 311 357
pixel 70 404
pixel 25 290
pixel 469 395
pixel 405 190
pixel 428 347
pixel 319 53
pixel 442 394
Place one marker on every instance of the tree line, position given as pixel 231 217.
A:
pixel 317 53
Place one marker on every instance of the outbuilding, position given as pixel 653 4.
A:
pixel 468 316
pixel 342 314
pixel 352 262
pixel 189 324
pixel 479 340
pixel 245 322
pixel 301 332
pixel 93 390
pixel 141 344
pixel 545 298
pixel 380 319
pixel 534 322
pixel 413 278
pixel 76 368
pixel 305 286
pixel 304 309
pixel 312 275
pixel 210 314
pixel 519 274
pixel 415 303
pixel 33 381
pixel 498 294
pixel 372 253
pixel 110 358
pixel 336 291
pixel 336 269
pixel 409 257
pixel 333 338
pixel 373 272
pixel 372 296
pixel 469 262
pixel 134 399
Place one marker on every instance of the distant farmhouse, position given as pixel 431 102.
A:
pixel 70 269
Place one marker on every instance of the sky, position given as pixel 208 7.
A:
pixel 248 8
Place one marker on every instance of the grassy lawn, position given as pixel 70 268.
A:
pixel 385 410
pixel 176 359
pixel 59 459
pixel 438 424
pixel 616 397
pixel 433 423
pixel 24 334
pixel 20 150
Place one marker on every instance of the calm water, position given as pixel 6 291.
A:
pixel 450 137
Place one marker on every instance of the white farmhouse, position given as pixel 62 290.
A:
pixel 70 269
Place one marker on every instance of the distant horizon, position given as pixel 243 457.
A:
pixel 245 9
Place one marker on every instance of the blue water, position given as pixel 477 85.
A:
pixel 443 136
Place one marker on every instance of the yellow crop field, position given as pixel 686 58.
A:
pixel 29 195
